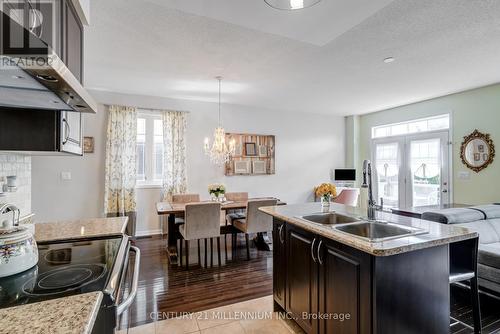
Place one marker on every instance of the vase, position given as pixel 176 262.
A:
pixel 325 203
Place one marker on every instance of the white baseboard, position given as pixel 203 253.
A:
pixel 147 233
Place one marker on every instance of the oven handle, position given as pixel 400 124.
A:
pixel 135 280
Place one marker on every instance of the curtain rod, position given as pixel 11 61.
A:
pixel 146 108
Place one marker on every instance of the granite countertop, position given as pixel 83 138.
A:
pixel 68 315
pixel 438 234
pixel 77 229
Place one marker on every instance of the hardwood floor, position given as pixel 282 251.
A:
pixel 168 290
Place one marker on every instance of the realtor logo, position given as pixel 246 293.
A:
pixel 27 28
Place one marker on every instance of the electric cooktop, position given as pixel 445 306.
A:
pixel 63 269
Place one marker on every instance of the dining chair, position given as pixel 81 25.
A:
pixel 201 221
pixel 255 221
pixel 348 197
pixel 184 198
pixel 235 213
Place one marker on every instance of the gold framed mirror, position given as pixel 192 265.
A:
pixel 477 151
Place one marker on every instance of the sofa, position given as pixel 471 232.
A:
pixel 484 219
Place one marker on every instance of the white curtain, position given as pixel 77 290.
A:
pixel 120 170
pixel 174 160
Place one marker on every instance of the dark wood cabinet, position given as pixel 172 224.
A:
pixel 279 263
pixel 302 277
pixel 344 288
pixel 72 39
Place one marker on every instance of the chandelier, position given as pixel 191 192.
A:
pixel 219 152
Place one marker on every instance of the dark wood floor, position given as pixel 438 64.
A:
pixel 165 287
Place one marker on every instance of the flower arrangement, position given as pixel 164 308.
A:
pixel 216 189
pixel 325 191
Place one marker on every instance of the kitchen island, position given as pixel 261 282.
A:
pixel 333 282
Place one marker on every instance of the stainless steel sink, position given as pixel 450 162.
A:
pixel 329 218
pixel 376 231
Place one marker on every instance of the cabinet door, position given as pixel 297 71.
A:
pixel 344 289
pixel 72 40
pixel 71 132
pixel 279 262
pixel 302 277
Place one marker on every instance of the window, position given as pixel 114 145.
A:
pixel 441 122
pixel 149 148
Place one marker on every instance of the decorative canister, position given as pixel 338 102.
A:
pixel 18 251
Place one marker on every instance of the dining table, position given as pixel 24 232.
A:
pixel 178 209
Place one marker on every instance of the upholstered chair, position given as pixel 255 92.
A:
pixel 179 198
pixel 347 197
pixel 201 221
pixel 255 221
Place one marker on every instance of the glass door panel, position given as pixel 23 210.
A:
pixel 425 167
pixel 387 165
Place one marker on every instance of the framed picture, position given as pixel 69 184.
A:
pixel 263 151
pixel 485 156
pixel 238 150
pixel 259 167
pixel 477 157
pixel 250 149
pixel 88 144
pixel 242 167
pixel 480 148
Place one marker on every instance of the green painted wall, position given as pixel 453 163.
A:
pixel 474 109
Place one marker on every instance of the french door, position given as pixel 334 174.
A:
pixel 412 170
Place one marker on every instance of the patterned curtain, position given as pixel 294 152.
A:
pixel 174 161
pixel 119 192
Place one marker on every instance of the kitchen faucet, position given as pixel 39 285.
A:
pixel 4 208
pixel 367 183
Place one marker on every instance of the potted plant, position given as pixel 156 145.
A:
pixel 325 192
pixel 216 190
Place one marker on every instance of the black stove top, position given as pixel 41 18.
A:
pixel 63 269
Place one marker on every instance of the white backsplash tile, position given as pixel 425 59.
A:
pixel 20 166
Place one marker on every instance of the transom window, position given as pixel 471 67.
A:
pixel 441 122
pixel 149 148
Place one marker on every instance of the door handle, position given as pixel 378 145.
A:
pixel 66 129
pixel 135 281
pixel 318 252
pixel 312 250
pixel 280 234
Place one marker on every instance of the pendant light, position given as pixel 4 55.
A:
pixel 219 152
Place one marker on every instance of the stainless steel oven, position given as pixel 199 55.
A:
pixel 120 290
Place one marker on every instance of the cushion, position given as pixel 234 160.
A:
pixel 491 211
pixel 179 221
pixel 235 215
pixel 486 230
pixel 488 273
pixel 489 254
pixel 453 216
pixel 240 224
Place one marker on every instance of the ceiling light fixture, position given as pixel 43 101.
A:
pixel 291 4
pixel 389 60
pixel 219 152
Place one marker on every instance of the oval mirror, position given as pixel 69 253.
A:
pixel 477 151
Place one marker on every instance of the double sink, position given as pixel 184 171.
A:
pixel 369 230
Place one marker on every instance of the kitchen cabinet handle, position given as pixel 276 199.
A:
pixel 318 253
pixel 280 234
pixel 312 250
pixel 135 280
pixel 66 129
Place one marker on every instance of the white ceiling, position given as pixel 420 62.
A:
pixel 325 59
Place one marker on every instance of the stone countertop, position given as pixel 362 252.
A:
pixel 437 234
pixel 78 229
pixel 67 315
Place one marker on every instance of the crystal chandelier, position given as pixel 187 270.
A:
pixel 219 152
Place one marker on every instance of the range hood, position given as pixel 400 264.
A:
pixel 37 78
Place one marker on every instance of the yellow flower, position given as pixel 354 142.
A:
pixel 325 189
